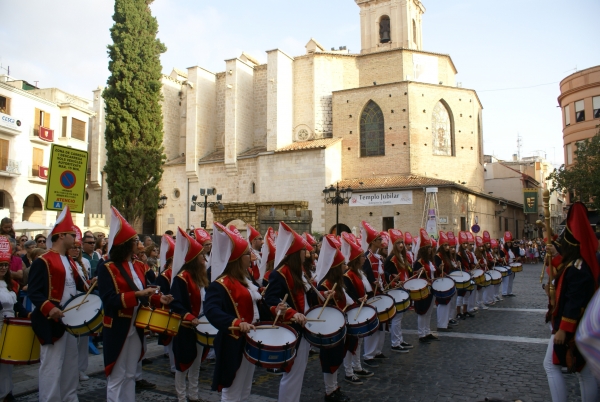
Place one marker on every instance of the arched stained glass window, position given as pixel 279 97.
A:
pixel 372 131
pixel 442 130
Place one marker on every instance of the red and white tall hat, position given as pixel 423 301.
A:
pixel 451 239
pixel 309 239
pixel 408 239
pixel 352 237
pixel 120 230
pixel 64 224
pixel 334 239
pixel 252 233
pixel 202 236
pixel 330 257
pixel 508 237
pixel 228 246
pixel 5 249
pixel 462 237
pixel 288 242
pixel 267 252
pixel 367 234
pixel 486 237
pixel 395 236
pixel 434 243
pixel 351 250
pixel 494 243
pixel 478 241
pixel 186 249
pixel 578 232
pixel 234 229
pixel 444 238
pixel 470 238
pixel 385 240
pixel 167 248
pixel 78 236
pixel 424 239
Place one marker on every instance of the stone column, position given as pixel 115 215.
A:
pixel 279 99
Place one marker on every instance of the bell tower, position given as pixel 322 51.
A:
pixel 390 24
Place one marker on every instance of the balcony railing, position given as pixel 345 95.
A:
pixel 10 166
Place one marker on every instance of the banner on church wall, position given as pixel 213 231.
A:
pixel 382 198
pixel 530 200
pixel 425 68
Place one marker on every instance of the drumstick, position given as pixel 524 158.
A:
pixel 327 301
pixel 77 306
pixel 361 306
pixel 391 281
pixel 279 311
pixel 87 294
pixel 263 292
pixel 255 328
pixel 373 299
pixel 309 320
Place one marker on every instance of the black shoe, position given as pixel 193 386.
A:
pixel 461 317
pixel 453 322
pixel 342 395
pixel 313 352
pixel 371 362
pixel 399 349
pixel 143 384
pixel 146 361
pixel 363 373
pixel 380 356
pixel 444 329
pixel 470 315
pixel 511 295
pixel 424 340
pixel 211 361
pixel 432 337
pixel 406 345
pixel 9 398
pixel 353 379
pixel 274 371
pixel 336 396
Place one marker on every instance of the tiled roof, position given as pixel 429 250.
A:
pixel 253 151
pixel 180 160
pixel 314 144
pixel 219 155
pixel 372 183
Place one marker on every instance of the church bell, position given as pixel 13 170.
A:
pixel 385 37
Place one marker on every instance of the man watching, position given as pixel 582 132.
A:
pixel 28 256
pixel 87 248
pixel 6 227
pixel 40 241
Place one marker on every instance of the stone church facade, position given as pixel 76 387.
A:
pixel 269 137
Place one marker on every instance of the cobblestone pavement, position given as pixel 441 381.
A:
pixel 498 354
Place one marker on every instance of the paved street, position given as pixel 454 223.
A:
pixel 497 354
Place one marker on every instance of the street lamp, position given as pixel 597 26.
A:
pixel 162 201
pixel 205 193
pixel 337 197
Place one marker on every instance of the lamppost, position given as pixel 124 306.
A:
pixel 205 193
pixel 337 197
pixel 162 201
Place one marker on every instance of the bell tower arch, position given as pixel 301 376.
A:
pixel 390 24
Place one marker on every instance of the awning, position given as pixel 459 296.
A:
pixel 27 226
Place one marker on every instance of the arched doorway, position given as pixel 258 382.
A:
pixel 343 228
pixel 33 208
pixel 6 204
pixel 239 224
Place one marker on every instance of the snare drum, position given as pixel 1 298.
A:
pixel 478 275
pixel 462 279
pixel 160 320
pixel 443 288
pixel 85 319
pixel 503 271
pixel 365 324
pixel 471 286
pixel 206 333
pixel 516 267
pixel 417 288
pixel 271 347
pixel 18 343
pixel 487 280
pixel 401 299
pixel 496 277
pixel 385 305
pixel 325 334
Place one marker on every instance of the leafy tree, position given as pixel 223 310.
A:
pixel 134 129
pixel 583 177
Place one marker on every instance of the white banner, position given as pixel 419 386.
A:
pixel 10 122
pixel 425 68
pixel 382 198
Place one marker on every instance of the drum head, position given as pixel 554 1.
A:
pixel 442 284
pixel 501 269
pixel 495 274
pixel 399 295
pixel 460 276
pixel 415 284
pixel 488 277
pixel 277 336
pixel 515 264
pixel 86 312
pixel 206 329
pixel 334 320
pixel 381 302
pixel 477 272
pixel 367 313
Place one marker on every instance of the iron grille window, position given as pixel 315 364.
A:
pixel 372 131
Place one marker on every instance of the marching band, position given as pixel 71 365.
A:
pixel 264 302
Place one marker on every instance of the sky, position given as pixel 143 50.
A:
pixel 513 53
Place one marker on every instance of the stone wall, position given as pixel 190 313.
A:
pixel 171 112
pixel 260 105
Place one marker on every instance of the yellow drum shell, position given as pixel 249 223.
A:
pixel 158 320
pixel 18 343
pixel 516 267
pixel 403 306
pixel 205 339
pixel 95 326
pixel 417 294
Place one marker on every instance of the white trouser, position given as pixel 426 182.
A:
pixel 291 383
pixel 556 380
pixel 374 344
pixel 479 296
pixel 169 348
pixel 6 382
pixel 240 388
pixel 192 376
pixel 330 382
pixel 452 305
pixel 58 376
pixel 396 330
pixel 471 304
pixel 488 294
pixel 120 385
pixel 423 322
pixel 443 315
pixel 83 352
pixel 211 354
pixel 352 361
pixel 511 279
pixel 507 284
pixel 138 369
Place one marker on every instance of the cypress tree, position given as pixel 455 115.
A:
pixel 134 129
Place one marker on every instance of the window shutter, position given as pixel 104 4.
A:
pixel 46 120
pixel 64 127
pixel 4 154
pixel 78 129
pixel 38 160
pixel 36 122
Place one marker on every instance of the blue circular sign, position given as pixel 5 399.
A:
pixel 67 179
pixel 475 228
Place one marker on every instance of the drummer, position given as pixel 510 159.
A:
pixel 463 295
pixel 499 261
pixel 329 273
pixel 268 256
pixel 205 240
pixel 53 280
pixel 397 268
pixel 122 286
pixel 310 262
pixel 231 302
pixel 455 267
pixel 507 281
pixel 287 279
pixel 163 281
pixel 488 293
pixel 358 287
pixel 9 308
pixel 408 243
pixel 256 242
pixel 424 266
pixel 475 293
pixel 444 267
pixel 187 287
pixel 480 263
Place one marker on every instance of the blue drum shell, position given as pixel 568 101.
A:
pixel 325 341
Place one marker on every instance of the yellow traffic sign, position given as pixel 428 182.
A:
pixel 66 179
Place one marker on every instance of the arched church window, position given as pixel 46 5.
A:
pixel 384 29
pixel 442 130
pixel 372 131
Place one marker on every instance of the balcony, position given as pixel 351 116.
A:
pixel 38 174
pixel 10 167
